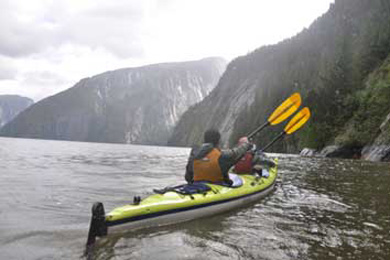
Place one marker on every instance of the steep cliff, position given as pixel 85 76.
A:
pixel 134 105
pixel 11 106
pixel 328 63
pixel 369 127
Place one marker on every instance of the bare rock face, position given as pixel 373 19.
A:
pixel 379 150
pixel 11 106
pixel 133 105
pixel 376 153
pixel 307 152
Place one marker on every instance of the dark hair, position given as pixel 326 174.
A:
pixel 212 136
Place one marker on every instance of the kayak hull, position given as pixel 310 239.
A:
pixel 172 207
pixel 187 214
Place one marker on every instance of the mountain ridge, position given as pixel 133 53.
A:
pixel 130 105
pixel 11 106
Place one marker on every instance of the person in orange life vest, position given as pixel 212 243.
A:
pixel 209 163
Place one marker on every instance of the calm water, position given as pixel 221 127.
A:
pixel 321 209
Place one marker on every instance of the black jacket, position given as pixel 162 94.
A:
pixel 228 158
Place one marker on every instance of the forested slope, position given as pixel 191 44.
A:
pixel 334 64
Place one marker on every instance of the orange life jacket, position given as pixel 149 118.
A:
pixel 207 168
pixel 244 166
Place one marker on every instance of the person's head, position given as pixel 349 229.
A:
pixel 243 140
pixel 212 136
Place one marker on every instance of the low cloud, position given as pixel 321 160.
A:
pixel 115 26
pixel 18 37
pixel 7 73
pixel 43 78
pixel 47 46
pixel 8 70
pixel 35 84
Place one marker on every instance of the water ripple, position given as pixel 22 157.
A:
pixel 321 208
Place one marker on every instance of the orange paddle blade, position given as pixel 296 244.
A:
pixel 298 121
pixel 286 109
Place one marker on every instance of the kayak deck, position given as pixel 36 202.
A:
pixel 172 201
pixel 172 207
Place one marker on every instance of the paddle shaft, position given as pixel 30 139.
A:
pixel 273 141
pixel 257 130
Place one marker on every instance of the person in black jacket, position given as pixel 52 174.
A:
pixel 209 163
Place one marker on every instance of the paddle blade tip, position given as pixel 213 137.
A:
pixel 286 109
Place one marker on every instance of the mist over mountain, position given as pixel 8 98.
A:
pixel 132 105
pixel 340 65
pixel 11 106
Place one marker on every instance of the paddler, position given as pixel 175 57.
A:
pixel 210 163
pixel 253 162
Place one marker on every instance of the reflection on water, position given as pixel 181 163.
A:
pixel 321 208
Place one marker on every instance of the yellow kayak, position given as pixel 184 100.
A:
pixel 172 207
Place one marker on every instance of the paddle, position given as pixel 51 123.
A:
pixel 289 106
pixel 295 123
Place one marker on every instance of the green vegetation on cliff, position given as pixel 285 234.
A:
pixel 373 105
pixel 329 64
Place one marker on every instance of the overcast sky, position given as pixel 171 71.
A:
pixel 47 46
